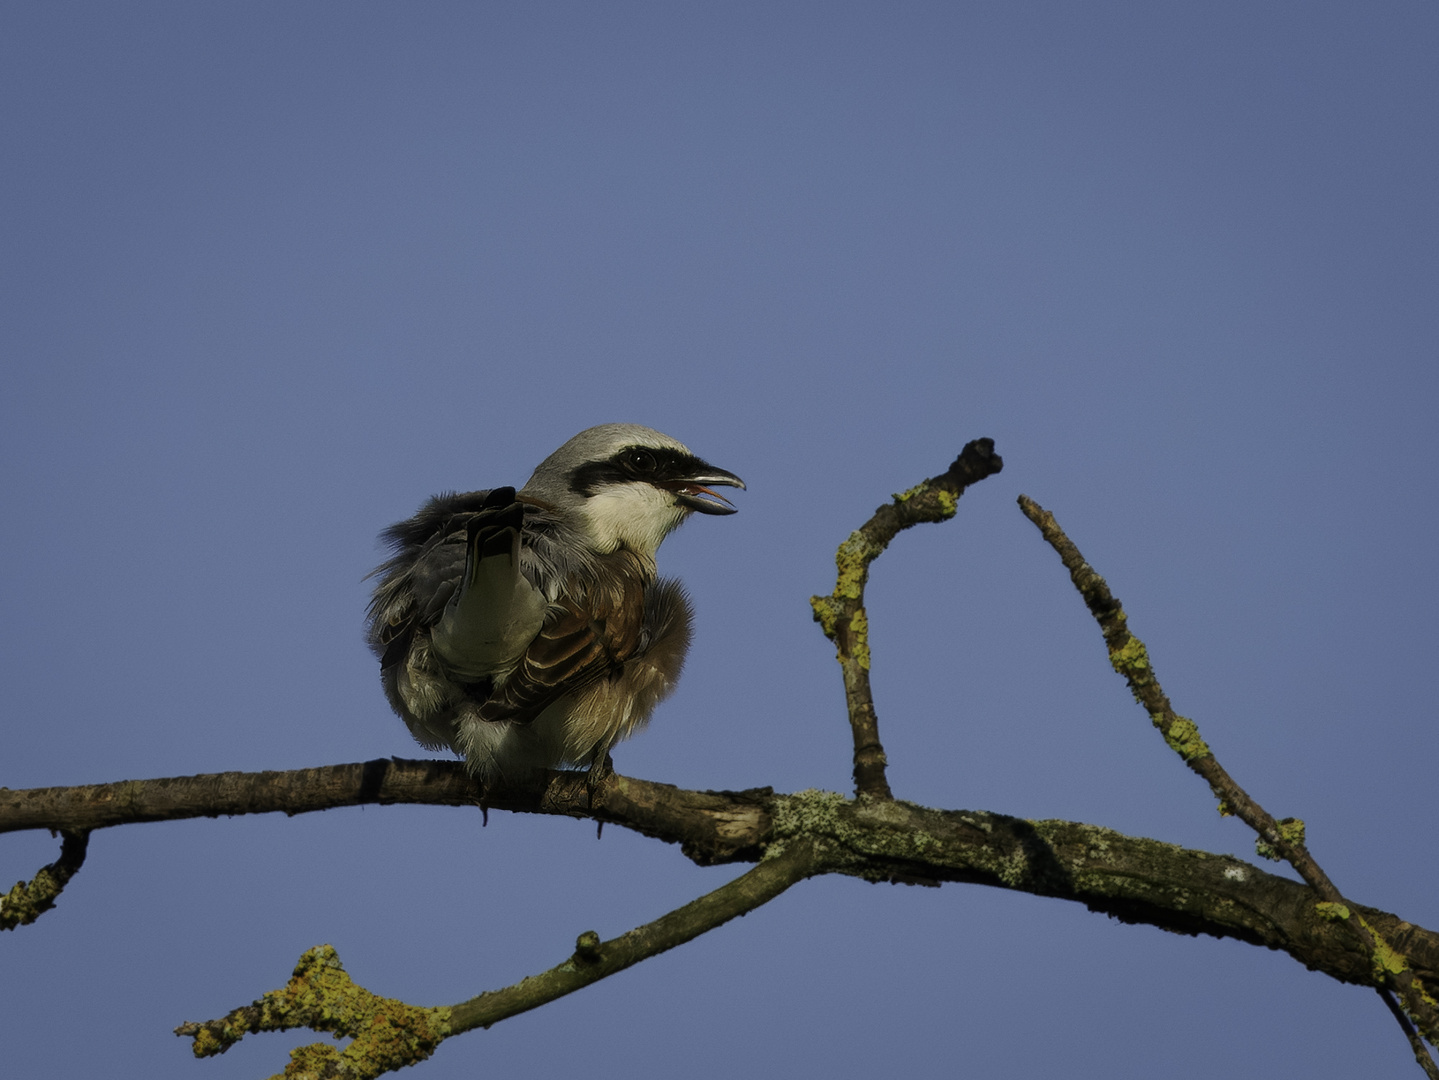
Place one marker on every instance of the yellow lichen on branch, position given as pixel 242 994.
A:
pixel 26 902
pixel 387 1034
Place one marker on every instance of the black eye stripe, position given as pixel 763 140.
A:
pixel 647 463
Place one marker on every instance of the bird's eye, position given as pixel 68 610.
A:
pixel 641 461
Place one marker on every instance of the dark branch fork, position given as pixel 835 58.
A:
pixel 788 837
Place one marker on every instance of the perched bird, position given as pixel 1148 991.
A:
pixel 529 630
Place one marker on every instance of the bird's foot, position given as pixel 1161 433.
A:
pixel 601 769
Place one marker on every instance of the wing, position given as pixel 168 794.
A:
pixel 589 635
pixel 455 570
pixel 491 618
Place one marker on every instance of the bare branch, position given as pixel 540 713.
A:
pixel 1416 1041
pixel 711 827
pixel 294 791
pixel 1277 839
pixel 842 616
pixel 593 959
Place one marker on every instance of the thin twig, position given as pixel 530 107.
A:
pixel 594 959
pixel 1416 1041
pixel 1281 839
pixel 842 616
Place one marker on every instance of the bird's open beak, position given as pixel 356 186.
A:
pixel 694 490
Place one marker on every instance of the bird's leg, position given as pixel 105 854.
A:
pixel 601 769
pixel 602 766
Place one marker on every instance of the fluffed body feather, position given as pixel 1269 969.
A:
pixel 531 630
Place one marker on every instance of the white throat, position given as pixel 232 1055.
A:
pixel 637 515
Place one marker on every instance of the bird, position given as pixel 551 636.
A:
pixel 529 629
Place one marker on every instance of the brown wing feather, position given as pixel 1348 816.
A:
pixel 588 636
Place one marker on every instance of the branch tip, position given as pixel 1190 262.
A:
pixel 387 1034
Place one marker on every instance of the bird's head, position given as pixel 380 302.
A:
pixel 631 485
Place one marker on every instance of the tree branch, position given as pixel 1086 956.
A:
pixel 594 960
pixel 1134 879
pixel 790 837
pixel 842 616
pixel 1393 972
pixel 390 1034
pixel 24 903
pixel 712 827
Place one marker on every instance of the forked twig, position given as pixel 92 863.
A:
pixel 389 1034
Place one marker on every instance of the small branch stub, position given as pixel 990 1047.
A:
pixel 587 948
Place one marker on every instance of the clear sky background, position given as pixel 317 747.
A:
pixel 272 273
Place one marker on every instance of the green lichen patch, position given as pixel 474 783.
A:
pixel 25 903
pixel 1096 841
pixel 387 1034
pixel 852 561
pixel 1331 911
pixel 807 813
pixel 1266 851
pixel 859 638
pixel 918 489
pixel 1132 660
pixel 826 613
pixel 1387 961
pixel 889 827
pixel 1182 735
pixel 851 832
pixel 1013 869
pixel 941 509
pixel 312 1060
pixel 1291 831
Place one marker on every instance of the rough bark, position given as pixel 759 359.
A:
pixel 1133 879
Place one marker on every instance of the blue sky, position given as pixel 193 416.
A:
pixel 271 274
